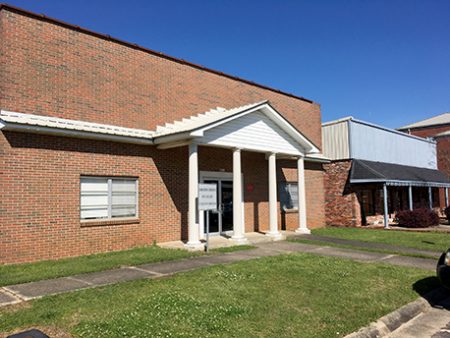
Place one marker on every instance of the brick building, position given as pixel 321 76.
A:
pixel 103 144
pixel 437 128
pixel 376 171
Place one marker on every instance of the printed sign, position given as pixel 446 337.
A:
pixel 207 196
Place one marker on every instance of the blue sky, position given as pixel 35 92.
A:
pixel 386 62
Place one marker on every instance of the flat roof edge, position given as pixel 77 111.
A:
pixel 373 125
pixel 144 49
pixel 344 119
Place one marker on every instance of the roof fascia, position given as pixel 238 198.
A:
pixel 26 128
pixel 401 183
pixel 394 131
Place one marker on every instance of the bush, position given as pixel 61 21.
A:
pixel 418 218
pixel 447 213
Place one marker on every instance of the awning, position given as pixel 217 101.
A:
pixel 363 171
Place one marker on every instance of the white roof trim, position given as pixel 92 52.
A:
pixel 329 123
pixel 185 130
pixel 72 128
pixel 443 134
pixel 317 158
pixel 201 120
pixel 195 126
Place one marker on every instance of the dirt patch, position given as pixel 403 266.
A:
pixel 16 307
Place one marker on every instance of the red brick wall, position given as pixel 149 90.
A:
pixel 442 148
pixel 429 131
pixel 343 204
pixel 39 207
pixel 40 194
pixel 341 207
pixel 443 154
pixel 50 70
pixel 314 185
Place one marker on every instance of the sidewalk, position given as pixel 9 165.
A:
pixel 368 245
pixel 434 323
pixel 22 292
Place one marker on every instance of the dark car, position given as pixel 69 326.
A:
pixel 443 269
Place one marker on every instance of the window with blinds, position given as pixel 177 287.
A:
pixel 288 196
pixel 108 197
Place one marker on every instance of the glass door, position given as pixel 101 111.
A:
pixel 221 220
pixel 214 216
pixel 226 205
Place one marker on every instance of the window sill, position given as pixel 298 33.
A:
pixel 100 222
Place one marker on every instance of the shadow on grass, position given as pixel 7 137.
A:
pixel 433 292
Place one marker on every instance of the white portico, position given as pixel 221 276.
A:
pixel 256 128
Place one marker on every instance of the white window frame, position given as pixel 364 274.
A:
pixel 110 180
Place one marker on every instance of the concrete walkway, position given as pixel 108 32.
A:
pixel 22 292
pixel 434 323
pixel 367 245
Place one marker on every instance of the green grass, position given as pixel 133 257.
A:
pixel 284 296
pixel 233 248
pixel 432 241
pixel 22 273
pixel 355 247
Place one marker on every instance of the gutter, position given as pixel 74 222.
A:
pixel 26 128
pixel 402 183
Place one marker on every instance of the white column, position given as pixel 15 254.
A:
pixel 410 197
pixel 273 213
pixel 302 224
pixel 238 226
pixel 193 227
pixel 430 197
pixel 446 197
pixel 385 204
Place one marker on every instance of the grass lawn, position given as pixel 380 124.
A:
pixel 354 247
pixel 22 273
pixel 284 296
pixel 433 241
pixel 233 248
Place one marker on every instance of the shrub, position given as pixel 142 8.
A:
pixel 418 218
pixel 447 213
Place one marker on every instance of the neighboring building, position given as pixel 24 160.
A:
pixel 103 143
pixel 375 172
pixel 438 128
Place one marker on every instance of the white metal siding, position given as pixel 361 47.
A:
pixel 255 132
pixel 335 141
pixel 375 144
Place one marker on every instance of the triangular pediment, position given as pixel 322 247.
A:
pixel 257 127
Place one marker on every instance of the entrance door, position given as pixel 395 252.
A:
pixel 227 205
pixel 222 220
